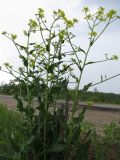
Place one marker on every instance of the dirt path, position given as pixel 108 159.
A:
pixel 98 114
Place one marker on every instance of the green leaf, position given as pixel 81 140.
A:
pixel 83 150
pixel 20 105
pixel 25 32
pixel 52 66
pixel 31 51
pixel 89 63
pixel 80 49
pixel 87 86
pixel 74 76
pixel 3 142
pixel 80 117
pixel 75 135
pixel 4 32
pixel 22 47
pixel 48 47
pixel 25 62
pixel 57 148
pixel 77 63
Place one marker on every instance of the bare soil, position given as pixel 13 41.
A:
pixel 101 118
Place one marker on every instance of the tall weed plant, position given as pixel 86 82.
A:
pixel 50 130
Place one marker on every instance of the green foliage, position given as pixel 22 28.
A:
pixel 9 121
pixel 8 89
pixel 112 134
pixel 107 146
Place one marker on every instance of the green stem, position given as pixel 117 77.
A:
pixel 28 94
pixel 46 93
pixel 105 80
pixel 81 72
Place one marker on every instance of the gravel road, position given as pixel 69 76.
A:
pixel 97 114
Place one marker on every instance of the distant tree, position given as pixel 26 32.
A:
pixel 95 89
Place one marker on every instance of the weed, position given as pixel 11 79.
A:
pixel 49 131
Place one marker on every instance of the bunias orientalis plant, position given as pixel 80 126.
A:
pixel 51 131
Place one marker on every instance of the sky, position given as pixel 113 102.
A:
pixel 14 16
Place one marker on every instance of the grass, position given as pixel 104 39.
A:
pixel 107 146
pixel 8 123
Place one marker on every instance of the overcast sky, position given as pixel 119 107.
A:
pixel 14 16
